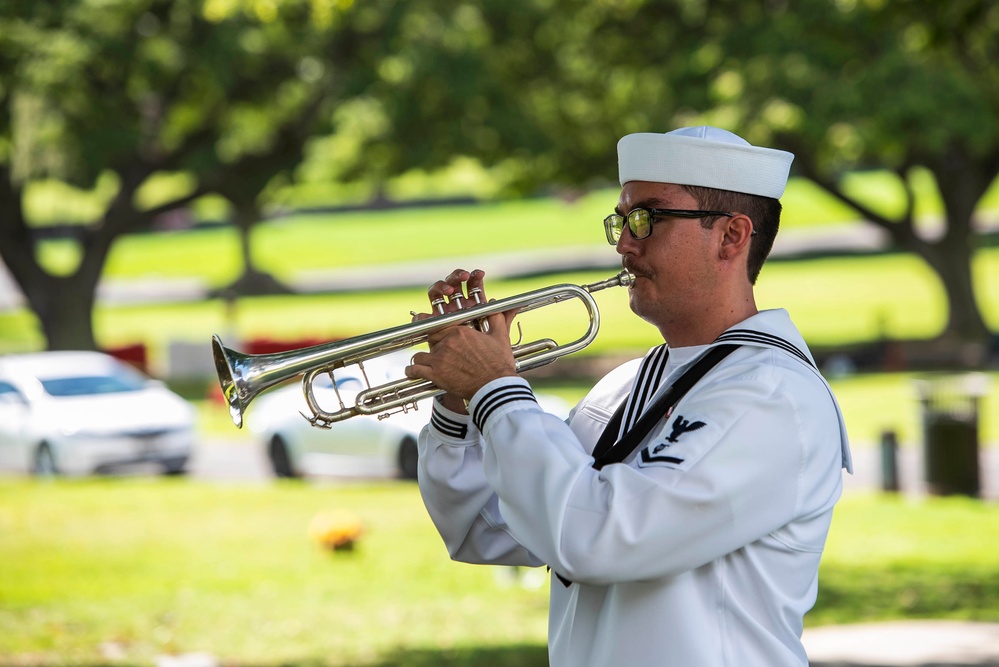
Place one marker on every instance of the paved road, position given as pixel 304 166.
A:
pixel 868 471
pixel 928 643
pixel 230 460
pixel 241 459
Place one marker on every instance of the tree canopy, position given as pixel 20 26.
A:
pixel 225 91
pixel 238 93
pixel 844 84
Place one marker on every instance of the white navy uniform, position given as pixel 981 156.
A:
pixel 702 548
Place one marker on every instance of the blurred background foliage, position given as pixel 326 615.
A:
pixel 231 108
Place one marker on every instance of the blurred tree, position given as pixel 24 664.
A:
pixel 224 90
pixel 229 91
pixel 547 88
pixel 903 86
pixel 447 86
pixel 539 90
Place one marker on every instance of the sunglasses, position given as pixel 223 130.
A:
pixel 640 221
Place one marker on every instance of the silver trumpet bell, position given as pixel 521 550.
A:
pixel 245 376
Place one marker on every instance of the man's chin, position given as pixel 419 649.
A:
pixel 636 301
pixel 642 300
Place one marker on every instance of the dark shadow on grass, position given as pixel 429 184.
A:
pixel 852 595
pixel 523 655
pixel 492 656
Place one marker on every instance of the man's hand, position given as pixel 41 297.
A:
pixel 461 359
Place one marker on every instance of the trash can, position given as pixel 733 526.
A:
pixel 950 405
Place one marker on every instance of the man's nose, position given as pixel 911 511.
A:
pixel 627 244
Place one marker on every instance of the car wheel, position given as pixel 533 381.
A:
pixel 177 466
pixel 408 458
pixel 280 461
pixel 45 463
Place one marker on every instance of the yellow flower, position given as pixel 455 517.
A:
pixel 336 529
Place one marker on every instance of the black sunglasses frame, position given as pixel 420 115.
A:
pixel 616 222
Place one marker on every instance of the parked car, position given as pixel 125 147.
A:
pixel 76 413
pixel 362 446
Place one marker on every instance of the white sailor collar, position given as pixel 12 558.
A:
pixel 769 328
pixel 774 329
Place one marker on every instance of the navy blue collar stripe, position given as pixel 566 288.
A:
pixel 649 377
pixel 641 381
pixel 649 382
pixel 749 336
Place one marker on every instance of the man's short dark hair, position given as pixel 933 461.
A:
pixel 763 211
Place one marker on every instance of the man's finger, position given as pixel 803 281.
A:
pixel 476 288
pixel 418 368
pixel 447 295
pixel 499 325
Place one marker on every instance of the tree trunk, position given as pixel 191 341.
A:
pixel 65 304
pixel 247 215
pixel 252 282
pixel 962 183
pixel 66 312
pixel 966 335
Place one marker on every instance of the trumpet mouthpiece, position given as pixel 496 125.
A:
pixel 623 279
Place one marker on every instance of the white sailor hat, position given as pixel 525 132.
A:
pixel 704 156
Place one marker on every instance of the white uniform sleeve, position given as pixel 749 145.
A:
pixel 759 458
pixel 458 498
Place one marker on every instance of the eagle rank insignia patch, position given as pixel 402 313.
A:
pixel 661 450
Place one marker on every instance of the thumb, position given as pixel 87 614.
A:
pixel 507 319
pixel 510 315
pixel 499 325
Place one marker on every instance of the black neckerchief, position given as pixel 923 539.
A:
pixel 608 451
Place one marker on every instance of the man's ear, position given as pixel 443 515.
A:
pixel 738 232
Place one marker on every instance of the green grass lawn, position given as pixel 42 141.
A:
pixel 143 567
pixel 891 557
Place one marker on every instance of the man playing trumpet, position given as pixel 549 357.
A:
pixel 684 505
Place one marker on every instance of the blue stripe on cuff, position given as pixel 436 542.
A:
pixel 448 426
pixel 497 398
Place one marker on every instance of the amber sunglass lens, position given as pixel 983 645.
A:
pixel 613 225
pixel 640 223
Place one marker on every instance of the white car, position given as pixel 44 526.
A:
pixel 361 446
pixel 76 413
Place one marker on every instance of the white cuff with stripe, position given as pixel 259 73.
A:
pixel 499 397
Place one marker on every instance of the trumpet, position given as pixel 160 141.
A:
pixel 245 376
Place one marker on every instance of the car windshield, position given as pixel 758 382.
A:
pixel 92 384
